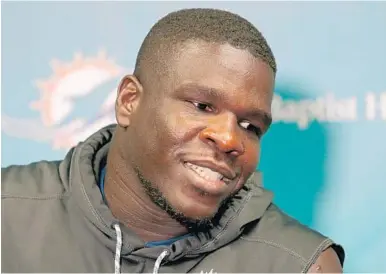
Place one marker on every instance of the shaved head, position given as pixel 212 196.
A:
pixel 208 25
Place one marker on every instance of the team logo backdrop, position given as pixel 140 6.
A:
pixel 325 154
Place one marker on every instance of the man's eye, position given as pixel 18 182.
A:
pixel 203 107
pixel 248 126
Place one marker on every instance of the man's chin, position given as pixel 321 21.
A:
pixel 192 217
pixel 192 220
pixel 195 217
pixel 200 220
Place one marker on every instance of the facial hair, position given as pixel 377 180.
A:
pixel 193 225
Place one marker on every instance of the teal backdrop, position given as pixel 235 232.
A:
pixel 324 156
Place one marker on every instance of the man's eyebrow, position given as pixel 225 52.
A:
pixel 215 94
pixel 209 92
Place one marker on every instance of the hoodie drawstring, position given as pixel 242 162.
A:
pixel 159 261
pixel 118 249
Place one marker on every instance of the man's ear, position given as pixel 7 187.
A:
pixel 129 93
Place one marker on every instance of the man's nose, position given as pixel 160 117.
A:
pixel 223 132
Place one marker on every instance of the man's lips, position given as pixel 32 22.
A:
pixel 226 172
pixel 207 180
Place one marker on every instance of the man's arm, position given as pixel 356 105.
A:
pixel 328 262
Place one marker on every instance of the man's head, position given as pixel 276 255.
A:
pixel 192 115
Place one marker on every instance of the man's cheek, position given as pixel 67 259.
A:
pixel 251 157
pixel 175 125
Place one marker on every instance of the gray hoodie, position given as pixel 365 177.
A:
pixel 54 219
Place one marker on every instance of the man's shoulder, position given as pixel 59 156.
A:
pixel 35 207
pixel 37 180
pixel 285 237
pixel 276 225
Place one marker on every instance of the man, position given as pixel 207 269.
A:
pixel 172 187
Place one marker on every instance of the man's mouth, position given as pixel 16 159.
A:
pixel 207 173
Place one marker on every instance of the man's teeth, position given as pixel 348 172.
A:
pixel 206 173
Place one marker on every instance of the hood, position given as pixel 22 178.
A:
pixel 85 162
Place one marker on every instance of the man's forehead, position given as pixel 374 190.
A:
pixel 226 68
pixel 193 49
pixel 202 58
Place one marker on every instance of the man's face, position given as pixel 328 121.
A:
pixel 195 136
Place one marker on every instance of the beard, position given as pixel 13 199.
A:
pixel 192 224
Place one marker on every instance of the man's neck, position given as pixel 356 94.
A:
pixel 130 204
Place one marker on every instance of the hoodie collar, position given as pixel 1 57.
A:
pixel 248 205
